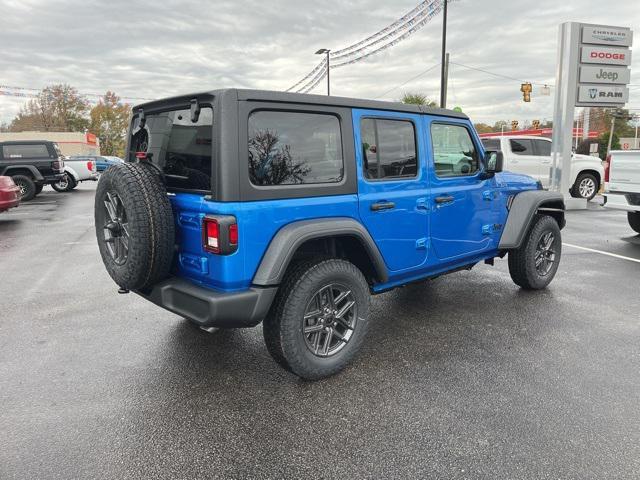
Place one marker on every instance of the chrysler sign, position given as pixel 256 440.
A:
pixel 605 55
pixel 602 35
pixel 602 94
pixel 604 74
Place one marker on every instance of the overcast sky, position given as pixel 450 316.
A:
pixel 161 48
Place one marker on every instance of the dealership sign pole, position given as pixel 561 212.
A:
pixel 592 71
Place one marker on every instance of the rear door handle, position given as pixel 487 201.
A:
pixel 444 199
pixel 376 207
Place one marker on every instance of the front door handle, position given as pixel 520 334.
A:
pixel 376 207
pixel 444 199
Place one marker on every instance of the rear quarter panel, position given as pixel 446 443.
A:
pixel 624 173
pixel 258 222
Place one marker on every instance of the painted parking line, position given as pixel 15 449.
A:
pixel 601 252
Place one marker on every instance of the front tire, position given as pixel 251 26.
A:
pixel 634 221
pixel 318 320
pixel 535 263
pixel 586 186
pixel 26 185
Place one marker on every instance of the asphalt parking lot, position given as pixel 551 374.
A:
pixel 466 376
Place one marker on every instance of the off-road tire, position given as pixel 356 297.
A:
pixel 58 188
pixel 72 183
pixel 522 261
pixel 39 187
pixel 282 328
pixel 575 189
pixel 634 221
pixel 150 225
pixel 27 185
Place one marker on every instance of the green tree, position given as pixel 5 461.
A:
pixel 417 99
pixel 57 108
pixel 483 128
pixel 603 141
pixel 109 122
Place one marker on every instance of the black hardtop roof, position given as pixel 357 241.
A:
pixel 304 98
pixel 25 142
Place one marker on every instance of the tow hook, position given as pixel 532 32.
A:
pixel 123 290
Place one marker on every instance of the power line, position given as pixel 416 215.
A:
pixel 499 75
pixel 408 81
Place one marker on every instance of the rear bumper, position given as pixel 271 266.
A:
pixel 619 201
pixel 48 179
pixel 212 308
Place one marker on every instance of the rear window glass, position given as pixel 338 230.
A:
pixel 543 148
pixel 25 151
pixel 491 145
pixel 522 147
pixel 291 148
pixel 180 147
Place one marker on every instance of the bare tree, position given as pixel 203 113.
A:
pixel 270 164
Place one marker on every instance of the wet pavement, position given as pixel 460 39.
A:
pixel 466 376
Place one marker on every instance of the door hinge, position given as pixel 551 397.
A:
pixel 489 195
pixel 491 228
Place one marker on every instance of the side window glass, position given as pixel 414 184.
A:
pixel 454 154
pixel 522 146
pixel 292 148
pixel 388 148
pixel 543 148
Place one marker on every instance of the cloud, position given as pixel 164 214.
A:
pixel 154 49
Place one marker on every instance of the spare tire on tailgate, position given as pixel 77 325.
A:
pixel 134 225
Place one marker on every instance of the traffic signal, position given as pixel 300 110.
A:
pixel 526 89
pixel 514 124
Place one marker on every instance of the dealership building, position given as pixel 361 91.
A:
pixel 71 143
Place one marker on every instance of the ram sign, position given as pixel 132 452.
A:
pixel 603 94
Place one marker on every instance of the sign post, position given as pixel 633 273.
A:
pixel 592 71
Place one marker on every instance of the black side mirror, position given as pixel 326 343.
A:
pixel 493 162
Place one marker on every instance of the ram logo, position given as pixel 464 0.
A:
pixel 593 92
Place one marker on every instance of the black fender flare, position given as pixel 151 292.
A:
pixel 289 238
pixel 523 208
pixel 34 171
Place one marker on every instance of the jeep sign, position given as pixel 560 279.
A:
pixel 602 35
pixel 605 55
pixel 604 74
pixel 603 94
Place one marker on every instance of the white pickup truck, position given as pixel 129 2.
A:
pixel 622 184
pixel 76 170
pixel 532 156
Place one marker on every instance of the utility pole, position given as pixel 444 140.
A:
pixel 613 121
pixel 446 80
pixel 444 61
pixel 326 51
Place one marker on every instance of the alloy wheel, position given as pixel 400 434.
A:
pixel 116 228
pixel 545 254
pixel 329 320
pixel 587 187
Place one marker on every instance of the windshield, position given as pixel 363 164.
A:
pixel 180 147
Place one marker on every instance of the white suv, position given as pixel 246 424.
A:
pixel 532 156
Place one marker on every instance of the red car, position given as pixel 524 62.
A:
pixel 9 194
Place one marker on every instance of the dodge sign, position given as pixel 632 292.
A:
pixel 606 55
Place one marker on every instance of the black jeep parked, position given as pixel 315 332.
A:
pixel 31 164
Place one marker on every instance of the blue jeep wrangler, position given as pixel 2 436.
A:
pixel 236 207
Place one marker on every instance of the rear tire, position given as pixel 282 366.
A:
pixel 586 186
pixel 26 185
pixel 535 263
pixel 329 300
pixel 634 221
pixel 134 226
pixel 39 187
pixel 64 184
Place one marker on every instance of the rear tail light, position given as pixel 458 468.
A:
pixel 607 168
pixel 90 166
pixel 57 165
pixel 220 234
